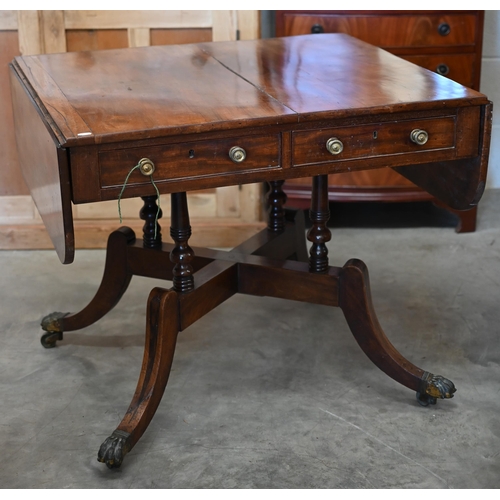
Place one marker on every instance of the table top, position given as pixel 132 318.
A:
pixel 84 119
pixel 129 94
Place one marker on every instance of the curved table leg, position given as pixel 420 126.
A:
pixel 115 281
pixel 161 336
pixel 356 303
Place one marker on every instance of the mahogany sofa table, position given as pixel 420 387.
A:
pixel 217 114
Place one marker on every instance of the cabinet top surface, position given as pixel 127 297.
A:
pixel 137 93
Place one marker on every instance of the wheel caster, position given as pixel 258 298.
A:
pixel 49 339
pixel 433 387
pixel 425 399
pixel 52 324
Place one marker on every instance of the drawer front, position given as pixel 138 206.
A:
pixel 390 31
pixel 188 160
pixel 457 67
pixel 373 140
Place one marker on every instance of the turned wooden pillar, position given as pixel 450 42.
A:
pixel 151 229
pixel 182 254
pixel 276 200
pixel 319 234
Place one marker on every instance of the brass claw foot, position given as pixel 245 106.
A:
pixel 433 387
pixel 114 449
pixel 52 325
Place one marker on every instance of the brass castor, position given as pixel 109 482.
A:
pixel 433 387
pixel 53 326
pixel 49 339
pixel 425 399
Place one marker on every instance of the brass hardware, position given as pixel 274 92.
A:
pixel 334 146
pixel 317 28
pixel 146 166
pixel 442 69
pixel 444 29
pixel 419 136
pixel 237 154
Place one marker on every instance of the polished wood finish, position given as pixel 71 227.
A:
pixel 269 98
pixel 382 139
pixel 319 234
pixel 45 167
pixel 188 159
pixel 356 304
pixel 161 337
pixel 36 32
pixel 182 254
pixel 395 30
pixel 446 42
pixel 251 106
pixel 276 200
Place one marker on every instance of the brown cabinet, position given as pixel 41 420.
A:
pixel 447 42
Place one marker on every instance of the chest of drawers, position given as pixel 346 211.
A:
pixel 446 42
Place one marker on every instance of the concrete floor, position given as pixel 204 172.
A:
pixel 264 393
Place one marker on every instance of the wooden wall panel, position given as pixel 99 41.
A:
pixel 12 180
pixel 100 39
pixel 180 35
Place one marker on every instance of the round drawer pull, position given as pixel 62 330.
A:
pixel 444 29
pixel 146 166
pixel 442 69
pixel 237 154
pixel 419 137
pixel 317 28
pixel 334 146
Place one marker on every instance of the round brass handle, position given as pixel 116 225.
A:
pixel 419 137
pixel 237 154
pixel 443 69
pixel 317 28
pixel 334 146
pixel 146 166
pixel 444 29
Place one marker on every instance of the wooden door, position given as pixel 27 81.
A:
pixel 221 217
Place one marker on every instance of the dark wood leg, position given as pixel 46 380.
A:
pixel 151 229
pixel 276 200
pixel 161 336
pixel 319 234
pixel 182 254
pixel 356 303
pixel 467 220
pixel 286 228
pixel 115 281
pixel 260 266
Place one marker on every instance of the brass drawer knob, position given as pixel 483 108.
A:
pixel 444 29
pixel 237 154
pixel 419 136
pixel 146 166
pixel 443 69
pixel 317 28
pixel 334 146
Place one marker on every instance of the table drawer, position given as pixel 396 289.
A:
pixel 424 30
pixel 189 159
pixel 373 140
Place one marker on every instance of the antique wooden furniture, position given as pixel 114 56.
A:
pixel 447 42
pixel 228 113
pixel 31 32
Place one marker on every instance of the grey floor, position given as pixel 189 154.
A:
pixel 264 393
